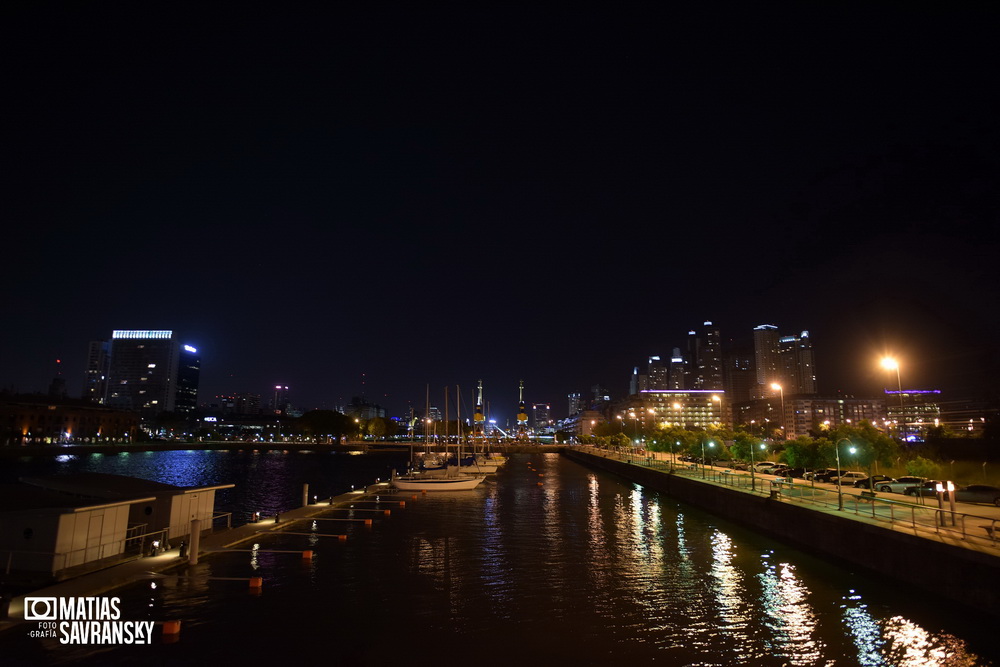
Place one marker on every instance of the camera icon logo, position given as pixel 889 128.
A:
pixel 41 609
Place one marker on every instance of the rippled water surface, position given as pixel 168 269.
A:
pixel 546 563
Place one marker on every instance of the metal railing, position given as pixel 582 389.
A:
pixel 925 519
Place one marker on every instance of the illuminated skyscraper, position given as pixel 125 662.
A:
pixel 152 372
pixel 765 346
pixel 704 371
pixel 575 403
pixel 95 383
pixel 541 414
pixel 279 403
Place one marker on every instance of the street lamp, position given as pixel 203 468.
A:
pixel 710 444
pixel 891 364
pixel 840 493
pixel 777 387
pixel 753 478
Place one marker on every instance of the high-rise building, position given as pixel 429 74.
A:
pixel 657 376
pixel 765 346
pixel 795 355
pixel 575 403
pixel 279 402
pixel 675 379
pixel 541 415
pixel 152 372
pixel 784 360
pixel 704 371
pixel 95 382
pixel 741 380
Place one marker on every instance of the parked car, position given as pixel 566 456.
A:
pixel 978 493
pixel 795 472
pixel 760 466
pixel 926 488
pixel 846 477
pixel 813 474
pixel 900 484
pixel 825 475
pixel 868 482
pixel 776 469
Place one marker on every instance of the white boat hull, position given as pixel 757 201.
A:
pixel 436 483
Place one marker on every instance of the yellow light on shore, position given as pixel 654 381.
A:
pixel 890 364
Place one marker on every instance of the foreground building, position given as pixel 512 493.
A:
pixel 49 525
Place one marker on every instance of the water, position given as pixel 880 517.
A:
pixel 583 569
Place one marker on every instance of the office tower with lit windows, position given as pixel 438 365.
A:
pixel 574 403
pixel 152 372
pixel 657 377
pixel 675 376
pixel 795 355
pixel 783 360
pixel 704 371
pixel 765 346
pixel 541 415
pixel 95 382
pixel 279 402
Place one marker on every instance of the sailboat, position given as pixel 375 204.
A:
pixel 451 480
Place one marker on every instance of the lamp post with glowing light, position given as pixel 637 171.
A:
pixel 840 493
pixel 891 364
pixel 703 462
pixel 778 388
pixel 753 477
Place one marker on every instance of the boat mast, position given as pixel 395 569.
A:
pixel 522 414
pixel 479 417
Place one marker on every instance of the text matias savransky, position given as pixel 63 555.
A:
pixel 85 620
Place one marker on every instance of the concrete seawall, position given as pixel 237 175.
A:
pixel 965 576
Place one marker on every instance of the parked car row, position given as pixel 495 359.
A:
pixel 907 485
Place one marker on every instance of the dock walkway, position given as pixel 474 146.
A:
pixel 124 573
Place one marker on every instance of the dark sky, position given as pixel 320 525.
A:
pixel 430 195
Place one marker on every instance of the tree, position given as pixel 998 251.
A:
pixel 319 424
pixel 806 452
pixel 921 467
pixel 872 445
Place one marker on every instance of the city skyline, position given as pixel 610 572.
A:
pixel 368 201
pixel 702 368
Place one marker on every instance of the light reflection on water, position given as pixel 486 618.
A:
pixel 583 568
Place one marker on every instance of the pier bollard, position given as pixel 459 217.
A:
pixel 331 499
pixel 402 503
pixel 256 584
pixel 413 497
pixel 368 522
pixel 171 628
pixel 388 512
pixel 195 541
pixel 307 555
pixel 342 538
pixel 540 484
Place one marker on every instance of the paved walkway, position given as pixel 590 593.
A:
pixel 891 511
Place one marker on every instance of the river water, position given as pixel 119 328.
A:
pixel 548 562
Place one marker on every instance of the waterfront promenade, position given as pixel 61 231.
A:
pixel 951 554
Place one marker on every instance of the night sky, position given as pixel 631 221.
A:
pixel 377 197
